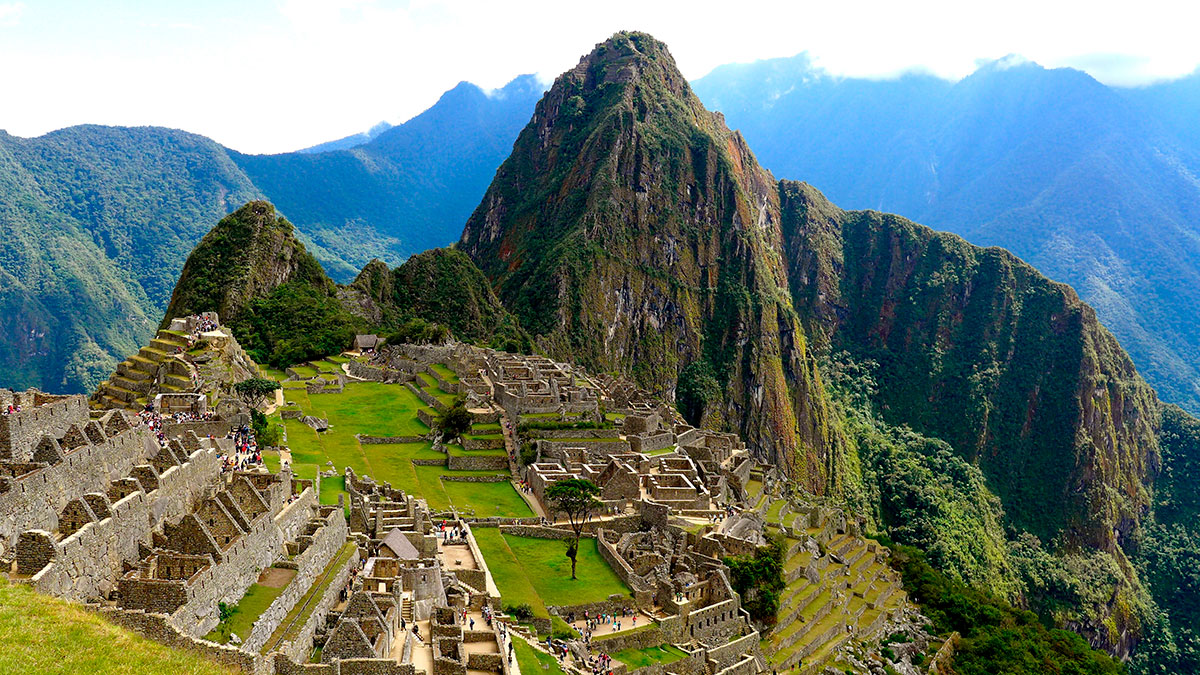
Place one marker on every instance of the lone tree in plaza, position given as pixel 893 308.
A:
pixel 252 392
pixel 575 497
pixel 456 421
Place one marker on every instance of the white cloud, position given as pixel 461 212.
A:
pixel 275 75
pixel 10 13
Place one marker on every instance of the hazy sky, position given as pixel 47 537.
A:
pixel 276 75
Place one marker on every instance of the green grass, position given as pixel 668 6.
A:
pixel 484 427
pixel 376 409
pixel 47 635
pixel 331 487
pixel 447 374
pixel 425 380
pixel 247 610
pixel 271 459
pixel 535 662
pixel 338 359
pixel 459 451
pixel 305 371
pixel 538 572
pixel 444 397
pixel 487 499
pixel 647 656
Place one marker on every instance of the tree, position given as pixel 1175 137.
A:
pixel 253 391
pixel 455 421
pixel 575 497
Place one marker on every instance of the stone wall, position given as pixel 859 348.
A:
pixel 156 627
pixel 381 440
pixel 494 443
pixel 651 443
pixel 88 563
pixel 19 432
pixel 34 500
pixel 301 646
pixel 308 564
pixel 477 463
pixel 571 433
pixel 598 446
pixel 634 639
pixel 216 429
pixel 498 478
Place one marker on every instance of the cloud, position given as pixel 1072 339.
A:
pixel 10 13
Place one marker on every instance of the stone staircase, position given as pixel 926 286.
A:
pixel 843 590
pixel 130 386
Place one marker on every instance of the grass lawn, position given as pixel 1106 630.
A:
pixel 338 359
pixel 485 427
pixel 445 372
pixel 528 569
pixel 487 499
pixel 425 380
pixel 535 662
pixel 271 459
pixel 640 658
pixel 376 409
pixel 327 367
pixel 47 635
pixel 247 610
pixel 331 487
pixel 305 371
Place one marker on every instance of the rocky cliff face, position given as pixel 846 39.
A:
pixel 251 252
pixel 631 230
pixel 977 348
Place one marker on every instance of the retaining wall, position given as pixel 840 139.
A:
pixel 309 565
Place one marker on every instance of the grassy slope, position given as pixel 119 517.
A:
pixel 45 635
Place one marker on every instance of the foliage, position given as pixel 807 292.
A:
pixel 255 390
pixel 576 497
pixel 434 293
pixel 697 388
pixel 418 331
pixel 456 421
pixel 296 323
pixel 996 638
pixel 528 453
pixel 758 579
pixel 522 613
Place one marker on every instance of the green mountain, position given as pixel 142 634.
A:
pixel 96 222
pixel 630 230
pixel 1093 185
pixel 253 270
pixel 964 401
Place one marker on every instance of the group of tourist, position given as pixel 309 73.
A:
pixel 451 533
pixel 12 408
pixel 245 451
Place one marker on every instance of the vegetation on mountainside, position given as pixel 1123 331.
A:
pixel 758 579
pixel 96 222
pixel 919 491
pixel 296 322
pixel 433 291
pixel 996 637
pixel 1168 558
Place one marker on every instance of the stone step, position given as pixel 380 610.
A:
pixel 166 346
pixel 178 381
pixel 118 392
pixel 152 354
pixel 856 554
pixel 817 660
pixel 168 336
pixel 843 548
pixel 132 370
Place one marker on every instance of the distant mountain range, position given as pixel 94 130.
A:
pixel 95 222
pixel 1096 186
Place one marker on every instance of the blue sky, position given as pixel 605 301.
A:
pixel 276 75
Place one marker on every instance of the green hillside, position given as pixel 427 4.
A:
pixel 47 635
